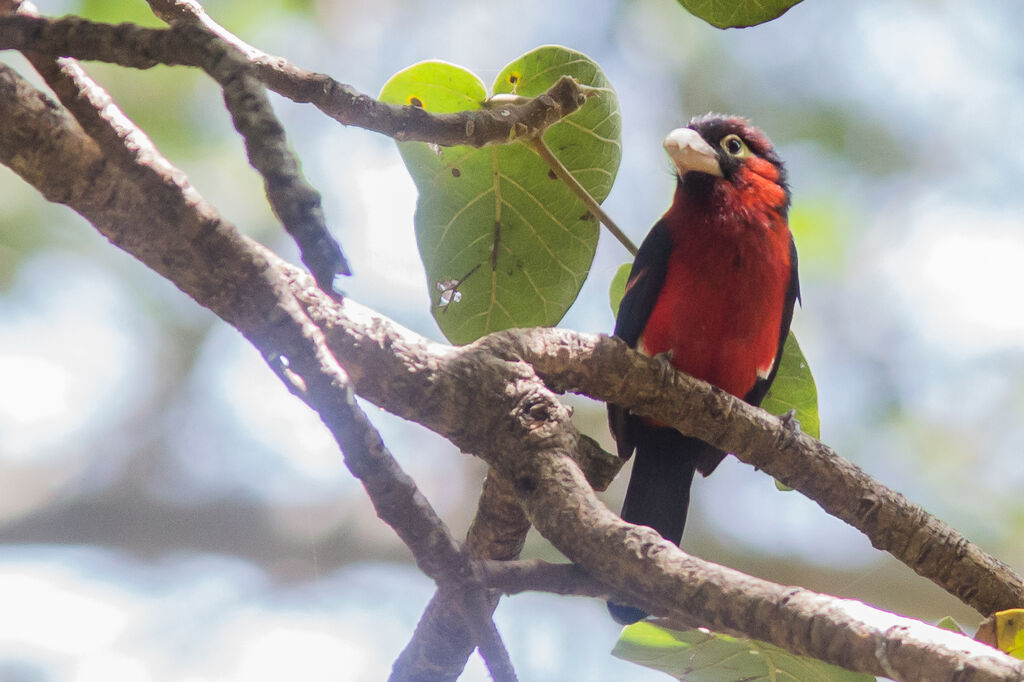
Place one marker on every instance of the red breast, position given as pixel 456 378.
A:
pixel 721 306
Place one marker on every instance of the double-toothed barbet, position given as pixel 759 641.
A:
pixel 712 288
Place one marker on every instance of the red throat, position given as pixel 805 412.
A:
pixel 727 279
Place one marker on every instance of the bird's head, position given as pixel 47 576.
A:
pixel 727 159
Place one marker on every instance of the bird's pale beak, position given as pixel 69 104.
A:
pixel 690 152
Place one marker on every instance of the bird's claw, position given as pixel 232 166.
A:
pixel 790 422
pixel 665 367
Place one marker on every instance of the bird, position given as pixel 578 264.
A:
pixel 711 291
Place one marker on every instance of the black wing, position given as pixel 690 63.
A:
pixel 645 281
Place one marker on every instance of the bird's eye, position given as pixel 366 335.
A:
pixel 734 146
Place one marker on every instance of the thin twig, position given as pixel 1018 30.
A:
pixel 349 106
pixel 538 145
pixel 441 645
pixel 514 577
pixel 190 11
pixel 317 379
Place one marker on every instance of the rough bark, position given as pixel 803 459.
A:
pixel 441 643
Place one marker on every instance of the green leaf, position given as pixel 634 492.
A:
pixel 948 623
pixel 503 242
pixel 617 289
pixel 703 656
pixel 818 226
pixel 794 389
pixel 117 12
pixel 737 13
pixel 1010 632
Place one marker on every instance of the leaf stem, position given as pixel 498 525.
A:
pixel 539 146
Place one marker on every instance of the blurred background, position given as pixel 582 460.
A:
pixel 169 512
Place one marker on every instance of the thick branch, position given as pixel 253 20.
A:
pixel 431 384
pixel 594 366
pixel 513 577
pixel 396 364
pixel 530 447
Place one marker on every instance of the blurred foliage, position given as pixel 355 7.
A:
pixel 850 133
pixel 617 287
pixel 147 96
pixel 240 16
pixel 949 623
pixel 819 229
pixel 737 13
pixel 117 11
pixel 702 656
pixel 504 242
pixel 1004 630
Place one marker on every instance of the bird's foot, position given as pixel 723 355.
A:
pixel 665 367
pixel 790 422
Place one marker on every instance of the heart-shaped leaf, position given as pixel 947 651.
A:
pixel 503 241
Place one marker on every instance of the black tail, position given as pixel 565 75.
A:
pixel 659 492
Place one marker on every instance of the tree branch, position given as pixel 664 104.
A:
pixel 394 364
pixel 183 45
pixel 514 577
pixel 430 383
pixel 348 106
pixel 87 101
pixel 441 645
pixel 317 379
pixel 594 366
